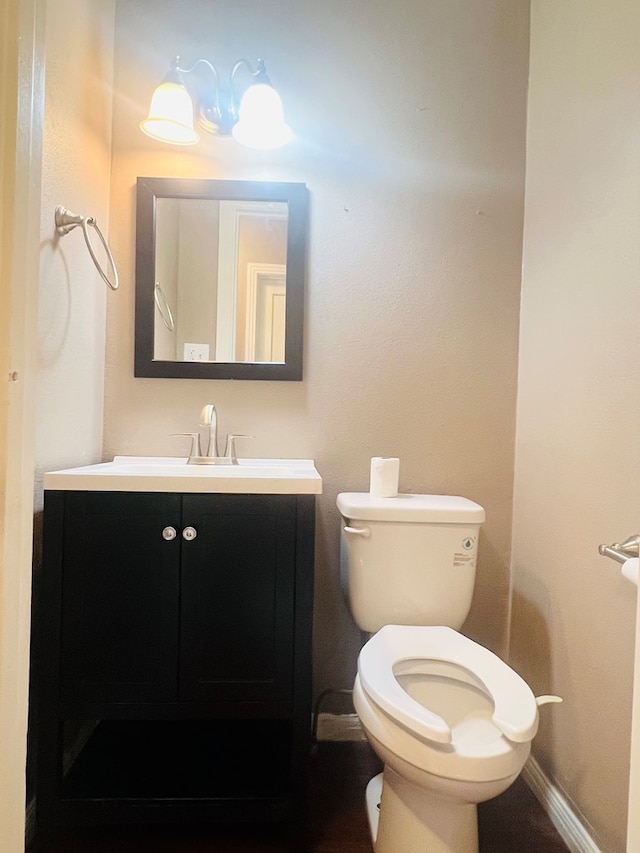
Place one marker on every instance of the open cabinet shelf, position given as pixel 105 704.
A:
pixel 182 760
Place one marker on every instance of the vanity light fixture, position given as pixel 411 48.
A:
pixel 256 122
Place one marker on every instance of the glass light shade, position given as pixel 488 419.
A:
pixel 171 116
pixel 261 119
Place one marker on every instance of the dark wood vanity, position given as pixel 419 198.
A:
pixel 174 657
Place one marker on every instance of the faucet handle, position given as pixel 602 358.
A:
pixel 230 447
pixel 195 442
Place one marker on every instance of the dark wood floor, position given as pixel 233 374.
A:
pixel 337 822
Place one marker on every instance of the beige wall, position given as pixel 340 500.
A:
pixel 197 254
pixel 578 454
pixel 76 171
pixel 410 120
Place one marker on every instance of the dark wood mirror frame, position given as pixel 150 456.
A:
pixel 296 197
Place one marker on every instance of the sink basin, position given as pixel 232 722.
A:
pixel 173 474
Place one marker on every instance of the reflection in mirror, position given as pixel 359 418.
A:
pixel 222 265
pixel 219 279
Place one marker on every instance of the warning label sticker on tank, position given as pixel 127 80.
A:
pixel 467 555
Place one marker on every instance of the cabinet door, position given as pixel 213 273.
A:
pixel 238 598
pixel 120 592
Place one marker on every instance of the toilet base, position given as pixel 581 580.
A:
pixel 372 800
pixel 413 819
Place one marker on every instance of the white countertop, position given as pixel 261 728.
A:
pixel 173 474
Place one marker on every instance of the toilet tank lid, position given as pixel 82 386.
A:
pixel 434 509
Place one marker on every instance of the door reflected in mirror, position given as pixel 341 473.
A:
pixel 219 278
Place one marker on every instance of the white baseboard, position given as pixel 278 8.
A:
pixel 565 820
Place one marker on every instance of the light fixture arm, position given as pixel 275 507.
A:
pixel 214 117
pixel 259 73
pixel 210 114
pixel 189 68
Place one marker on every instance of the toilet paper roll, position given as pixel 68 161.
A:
pixel 631 569
pixel 383 481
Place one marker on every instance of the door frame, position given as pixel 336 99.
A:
pixel 259 275
pixel 21 107
pixel 633 819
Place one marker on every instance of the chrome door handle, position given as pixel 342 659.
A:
pixel 169 533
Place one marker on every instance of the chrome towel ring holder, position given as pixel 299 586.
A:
pixel 67 221
pixel 164 309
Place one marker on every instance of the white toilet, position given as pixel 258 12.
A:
pixel 452 723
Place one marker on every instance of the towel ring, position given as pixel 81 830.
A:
pixel 67 221
pixel 163 307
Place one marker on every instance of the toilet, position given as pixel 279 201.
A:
pixel 452 723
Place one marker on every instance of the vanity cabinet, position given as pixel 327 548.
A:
pixel 174 657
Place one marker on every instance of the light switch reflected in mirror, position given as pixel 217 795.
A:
pixel 219 278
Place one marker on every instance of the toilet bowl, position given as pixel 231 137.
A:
pixel 453 725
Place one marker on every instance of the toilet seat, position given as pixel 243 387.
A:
pixel 515 709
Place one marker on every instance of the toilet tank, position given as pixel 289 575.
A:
pixel 410 559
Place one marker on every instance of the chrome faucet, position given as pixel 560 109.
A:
pixel 209 418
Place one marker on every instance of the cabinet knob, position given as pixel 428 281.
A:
pixel 169 533
pixel 189 533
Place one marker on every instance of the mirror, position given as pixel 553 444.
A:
pixel 219 279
